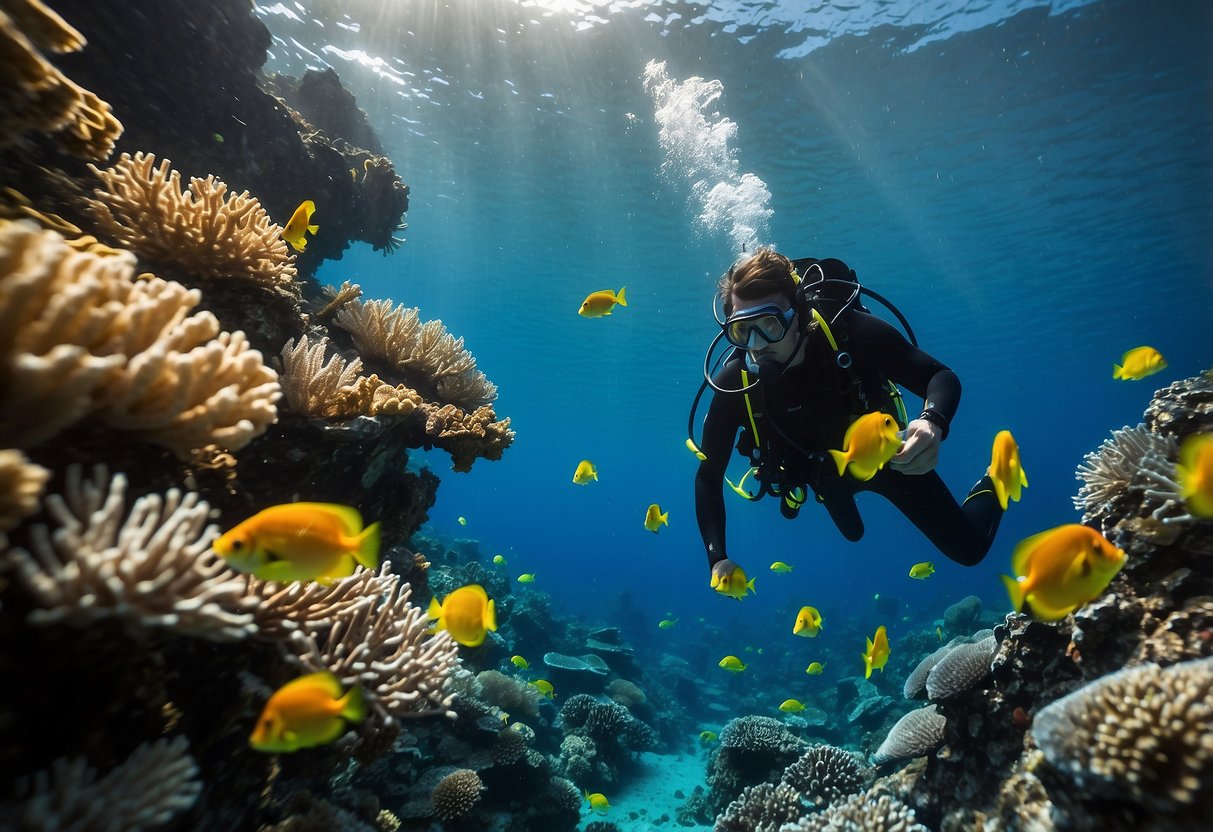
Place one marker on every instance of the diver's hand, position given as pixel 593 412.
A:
pixel 920 452
pixel 722 569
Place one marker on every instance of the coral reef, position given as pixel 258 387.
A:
pixel 825 773
pixel 862 813
pixel 917 733
pixel 960 668
pixel 456 795
pixel 765 807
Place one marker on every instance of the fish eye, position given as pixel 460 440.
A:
pixel 237 545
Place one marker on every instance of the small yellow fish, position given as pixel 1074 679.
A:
pixel 732 664
pixel 815 669
pixel 585 472
pixel 1194 473
pixel 780 566
pixel 599 304
pixel 667 623
pixel 877 652
pixel 463 521
pixel 598 803
pixel 526 578
pixel 310 711
pixel 467 614
pixel 299 223
pixel 301 542
pixel 519 662
pixel 923 570
pixel 808 622
pixel 734 585
pixel 655 519
pixel 1138 363
pixel 499 560
pixel 504 717
pixel 791 706
pixel 708 736
pixel 869 443
pixel 939 633
pixel 544 687
pixel 1059 570
pixel 693 448
pixel 1006 471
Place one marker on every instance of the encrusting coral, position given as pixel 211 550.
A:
pixel 36 97
pixel 21 484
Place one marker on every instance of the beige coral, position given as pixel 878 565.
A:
pixel 1138 462
pixel 312 606
pixel 202 232
pixel 151 566
pixel 21 484
pixel 37 97
pixel 457 794
pixel 336 389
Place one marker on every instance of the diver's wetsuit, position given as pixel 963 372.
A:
pixel 812 404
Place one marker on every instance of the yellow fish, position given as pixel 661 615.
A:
pixel 877 653
pixel 808 622
pixel 598 803
pixel 585 472
pixel 815 669
pixel 707 736
pixel 923 570
pixel 310 711
pixel 734 585
pixel 1006 471
pixel 939 633
pixel 791 706
pixel 654 518
pixel 693 448
pixel 869 443
pixel 519 662
pixel 301 542
pixel 526 578
pixel 780 566
pixel 1059 570
pixel 544 687
pixel 1194 473
pixel 499 560
pixel 599 304
pixel 467 614
pixel 667 623
pixel 463 521
pixel 298 224
pixel 1138 363
pixel 732 664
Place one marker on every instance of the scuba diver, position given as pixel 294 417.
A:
pixel 808 361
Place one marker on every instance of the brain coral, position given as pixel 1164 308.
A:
pixel 824 774
pixel 961 668
pixel 457 794
pixel 1144 733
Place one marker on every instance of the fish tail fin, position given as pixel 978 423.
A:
pixel 750 586
pixel 1015 591
pixel 490 617
pixel 867 666
pixel 665 518
pixel 840 460
pixel 435 610
pixel 312 229
pixel 621 296
pixel 353 708
pixel 367 551
pixel 1118 371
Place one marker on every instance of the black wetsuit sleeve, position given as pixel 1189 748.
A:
pixel 720 428
pixel 882 345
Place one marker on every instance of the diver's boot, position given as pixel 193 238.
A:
pixel 792 500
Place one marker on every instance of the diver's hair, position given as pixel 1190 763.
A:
pixel 765 272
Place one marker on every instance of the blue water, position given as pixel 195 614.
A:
pixel 1030 183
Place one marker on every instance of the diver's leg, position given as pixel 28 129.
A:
pixel 838 496
pixel 962 532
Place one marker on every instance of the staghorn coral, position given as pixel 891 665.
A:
pixel 765 807
pixel 861 813
pixel 914 735
pixel 825 773
pixel 202 232
pixel 456 795
pixel 21 484
pixel 960 668
pixel 36 97
pixel 156 782
pixel 387 648
pixel 151 566
pixel 1143 734
pixel 310 605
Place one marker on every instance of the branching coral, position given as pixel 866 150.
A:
pixel 1143 733
pixel 335 389
pixel 312 606
pixel 765 807
pixel 151 566
pixel 37 97
pixel 21 484
pixel 156 782
pixel 202 232
pixel 825 773
pixel 456 795
pixel 861 813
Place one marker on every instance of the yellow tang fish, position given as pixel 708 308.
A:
pixel 1059 570
pixel 499 560
pixel 780 566
pixel 707 736
pixel 585 472
pixel 734 585
pixel 791 706
pixel 1138 363
pixel 808 622
pixel 869 443
pixel 544 687
pixel 815 669
pixel 667 623
pixel 655 519
pixel 1194 473
pixel 598 802
pixel 1006 471
pixel 599 304
pixel 463 521
pixel 526 578
pixel 301 542
pixel 519 662
pixel 299 223
pixel 732 664
pixel 923 570
pixel 877 652
pixel 310 711
pixel 467 614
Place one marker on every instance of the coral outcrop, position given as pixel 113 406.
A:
pixel 914 735
pixel 456 795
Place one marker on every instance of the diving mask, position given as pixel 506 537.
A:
pixel 748 328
